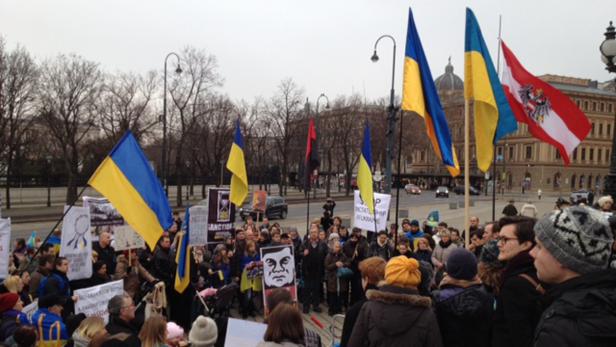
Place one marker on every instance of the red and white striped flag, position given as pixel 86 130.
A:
pixel 551 116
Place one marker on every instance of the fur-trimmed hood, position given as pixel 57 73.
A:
pixel 397 295
pixel 394 310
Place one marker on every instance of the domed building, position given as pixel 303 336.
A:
pixel 449 81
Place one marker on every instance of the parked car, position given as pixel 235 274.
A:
pixel 442 191
pixel 471 190
pixel 412 189
pixel 577 196
pixel 275 207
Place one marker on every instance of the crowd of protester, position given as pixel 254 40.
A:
pixel 518 282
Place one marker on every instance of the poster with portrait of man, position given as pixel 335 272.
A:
pixel 259 200
pixel 220 215
pixel 278 270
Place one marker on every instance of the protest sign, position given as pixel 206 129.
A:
pixel 76 242
pixel 93 301
pixel 5 243
pixel 221 215
pixel 198 225
pixel 126 237
pixel 278 271
pixel 363 219
pixel 243 333
pixel 259 200
pixel 29 309
pixel 102 212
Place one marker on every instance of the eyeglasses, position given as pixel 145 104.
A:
pixel 504 239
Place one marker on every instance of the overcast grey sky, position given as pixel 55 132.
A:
pixel 324 45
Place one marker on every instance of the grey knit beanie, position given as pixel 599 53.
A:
pixel 579 237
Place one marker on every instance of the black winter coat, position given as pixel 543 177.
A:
pixel 313 264
pixel 464 310
pixel 356 252
pixel 386 251
pixel 518 306
pixel 117 326
pixel 351 317
pixel 395 316
pixel 107 256
pixel 582 312
pixel 164 266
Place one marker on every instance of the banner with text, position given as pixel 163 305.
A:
pixel 198 225
pixel 93 301
pixel 221 215
pixel 76 242
pixel 5 244
pixel 363 219
pixel 126 237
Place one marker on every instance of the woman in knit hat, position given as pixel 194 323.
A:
pixel 12 317
pixel 463 306
pixel 396 315
pixel 203 333
pixel 175 335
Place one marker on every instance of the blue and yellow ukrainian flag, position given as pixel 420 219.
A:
pixel 419 95
pixel 364 172
pixel 237 166
pixel 493 116
pixel 182 257
pixel 127 181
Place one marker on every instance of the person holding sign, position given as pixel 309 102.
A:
pixel 57 284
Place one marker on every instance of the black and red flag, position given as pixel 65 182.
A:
pixel 312 153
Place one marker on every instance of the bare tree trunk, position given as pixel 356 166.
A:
pixel 9 168
pixel 178 176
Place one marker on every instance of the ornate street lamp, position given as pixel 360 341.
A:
pixel 178 70
pixel 608 56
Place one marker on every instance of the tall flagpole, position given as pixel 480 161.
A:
pixel 467 170
pixel 500 17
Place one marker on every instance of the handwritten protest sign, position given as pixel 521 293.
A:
pixel 363 219
pixel 242 333
pixel 127 238
pixel 93 301
pixel 198 225
pixel 76 242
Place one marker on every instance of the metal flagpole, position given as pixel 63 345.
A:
pixel 466 173
pixel 500 17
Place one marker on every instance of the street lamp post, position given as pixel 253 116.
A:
pixel 391 118
pixel 48 160
pixel 178 70
pixel 608 56
pixel 316 120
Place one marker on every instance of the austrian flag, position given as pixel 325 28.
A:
pixel 550 115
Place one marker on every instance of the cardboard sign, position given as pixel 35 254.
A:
pixel 363 219
pixel 93 301
pixel 278 270
pixel 221 215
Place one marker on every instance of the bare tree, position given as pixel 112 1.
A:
pixel 189 93
pixel 126 104
pixel 69 88
pixel 19 83
pixel 283 111
pixel 259 150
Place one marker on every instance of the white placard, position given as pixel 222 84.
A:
pixel 198 225
pixel 29 309
pixel 363 219
pixel 243 333
pixel 5 243
pixel 93 301
pixel 127 238
pixel 76 242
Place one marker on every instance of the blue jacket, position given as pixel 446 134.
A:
pixel 11 320
pixel 56 283
pixel 50 327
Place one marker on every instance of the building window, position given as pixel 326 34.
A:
pixel 610 107
pixel 421 156
pixel 592 130
pixel 578 103
pixel 599 154
pixel 607 155
pixel 586 105
pixel 510 153
pixel 600 129
pixel 529 152
pixel 557 154
pixel 602 107
pixel 575 154
pixel 591 154
pixel 608 130
pixel 583 154
pixel 594 106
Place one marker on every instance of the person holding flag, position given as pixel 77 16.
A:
pixel 237 165
pixel 364 175
pixel 550 115
pixel 420 97
pixel 183 275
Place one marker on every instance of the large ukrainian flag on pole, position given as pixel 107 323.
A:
pixel 182 257
pixel 419 95
pixel 126 179
pixel 237 166
pixel 493 116
pixel 364 172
